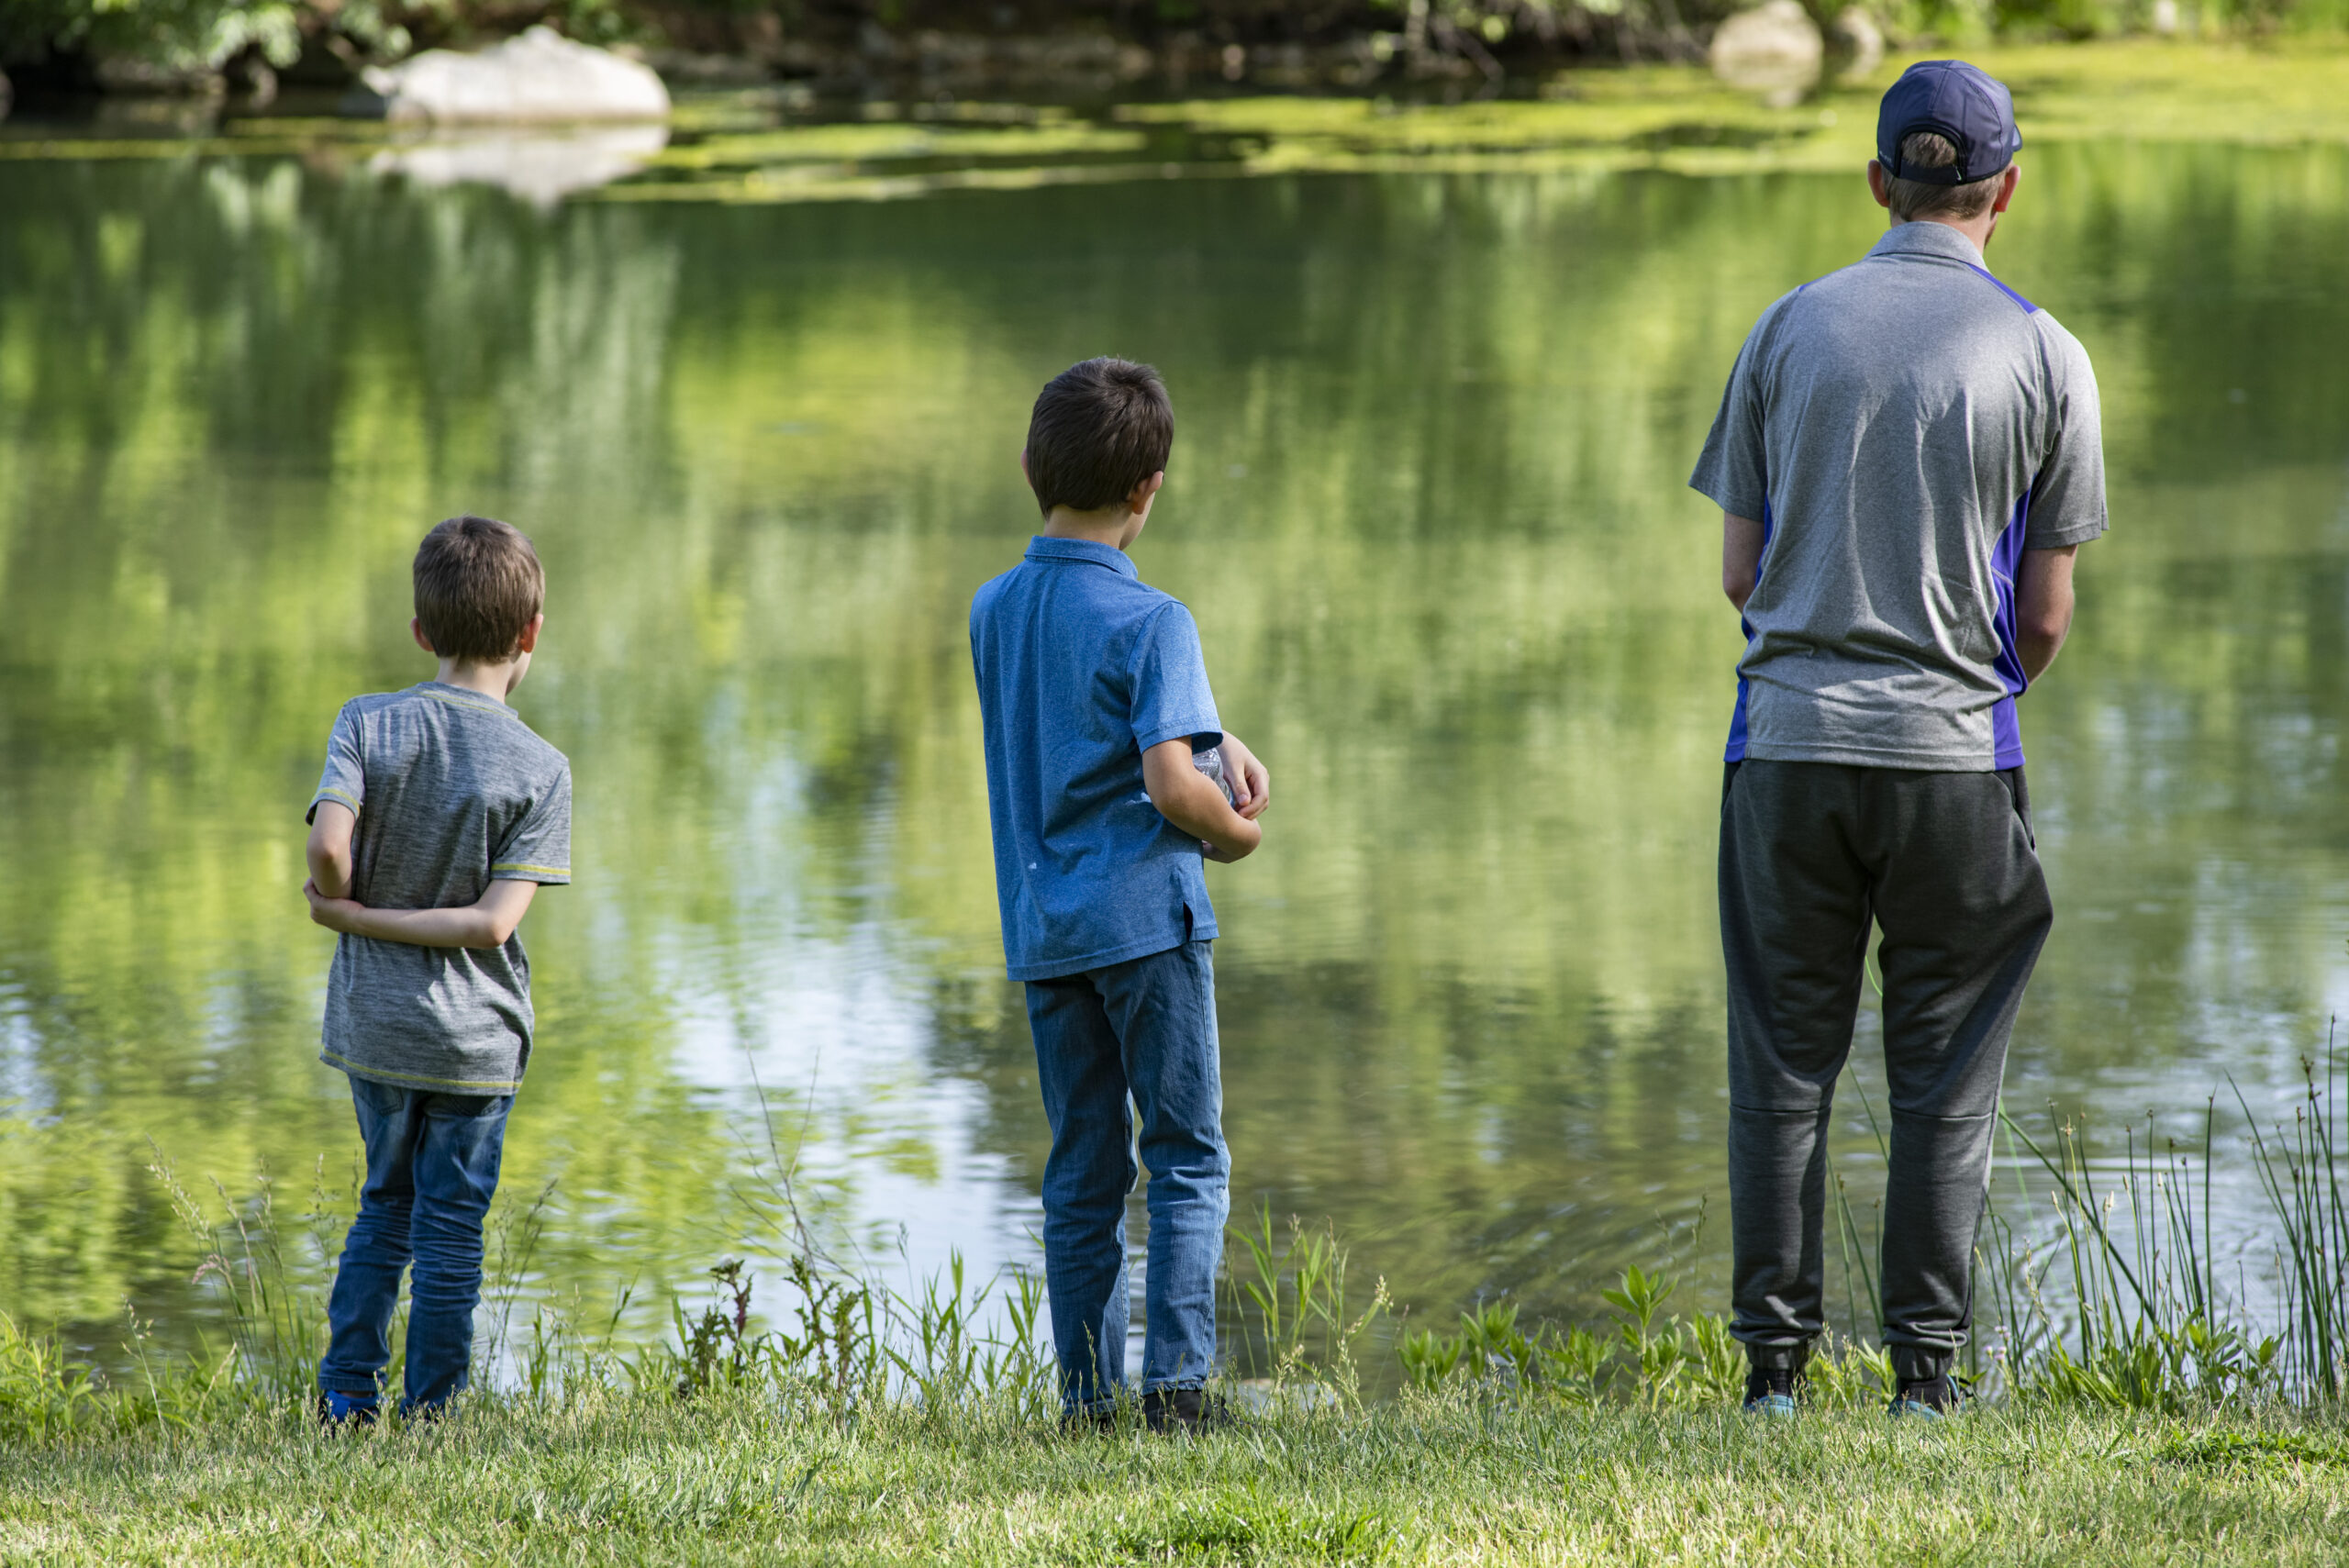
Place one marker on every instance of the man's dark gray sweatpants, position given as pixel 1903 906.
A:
pixel 1946 865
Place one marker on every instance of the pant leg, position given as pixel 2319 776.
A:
pixel 376 1248
pixel 1162 1008
pixel 1964 910
pixel 457 1160
pixel 1086 1177
pixel 1795 912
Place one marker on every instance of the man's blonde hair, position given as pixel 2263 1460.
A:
pixel 1914 199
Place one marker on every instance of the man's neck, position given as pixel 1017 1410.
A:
pixel 491 680
pixel 1978 230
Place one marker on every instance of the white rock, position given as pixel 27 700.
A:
pixel 1861 38
pixel 539 77
pixel 1773 48
pixel 540 167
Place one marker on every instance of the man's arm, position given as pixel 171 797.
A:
pixel 2043 607
pixel 1190 800
pixel 1741 558
pixel 485 923
pixel 330 848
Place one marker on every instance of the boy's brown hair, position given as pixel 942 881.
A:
pixel 478 583
pixel 1099 428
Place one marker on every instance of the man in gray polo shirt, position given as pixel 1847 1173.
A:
pixel 1906 460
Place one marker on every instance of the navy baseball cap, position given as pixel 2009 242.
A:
pixel 1961 102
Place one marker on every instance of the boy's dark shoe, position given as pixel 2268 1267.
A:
pixel 1186 1411
pixel 1092 1421
pixel 1771 1392
pixel 1929 1397
pixel 340 1412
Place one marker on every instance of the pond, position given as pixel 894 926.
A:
pixel 1427 504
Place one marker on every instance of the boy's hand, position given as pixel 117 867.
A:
pixel 334 914
pixel 1251 783
pixel 1190 800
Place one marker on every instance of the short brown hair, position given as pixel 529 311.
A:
pixel 1099 428
pixel 478 583
pixel 1914 199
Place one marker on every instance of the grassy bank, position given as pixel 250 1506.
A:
pixel 1451 1479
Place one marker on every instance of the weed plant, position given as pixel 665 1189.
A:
pixel 2112 1300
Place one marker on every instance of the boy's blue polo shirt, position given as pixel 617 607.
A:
pixel 1082 667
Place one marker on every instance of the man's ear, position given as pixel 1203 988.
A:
pixel 2006 184
pixel 415 629
pixel 1879 184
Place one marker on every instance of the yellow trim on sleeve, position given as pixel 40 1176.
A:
pixel 539 871
pixel 348 799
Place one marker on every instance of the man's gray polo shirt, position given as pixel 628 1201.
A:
pixel 1903 431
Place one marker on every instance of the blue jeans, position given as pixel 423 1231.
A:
pixel 431 1170
pixel 1143 1029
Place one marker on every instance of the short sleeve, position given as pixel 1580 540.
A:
pixel 2068 497
pixel 345 779
pixel 1735 467
pixel 538 847
pixel 1171 699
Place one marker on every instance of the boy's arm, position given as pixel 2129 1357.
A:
pixel 1190 800
pixel 331 825
pixel 486 922
pixel 1251 781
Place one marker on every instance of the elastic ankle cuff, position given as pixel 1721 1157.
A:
pixel 1777 1358
pixel 1920 1364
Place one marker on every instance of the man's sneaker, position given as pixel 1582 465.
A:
pixel 1770 1392
pixel 338 1411
pixel 1184 1410
pixel 1929 1398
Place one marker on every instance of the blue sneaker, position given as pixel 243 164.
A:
pixel 1924 1398
pixel 1771 1394
pixel 338 1411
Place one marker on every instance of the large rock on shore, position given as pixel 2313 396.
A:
pixel 540 77
pixel 1773 48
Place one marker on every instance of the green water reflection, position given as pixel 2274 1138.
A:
pixel 1427 504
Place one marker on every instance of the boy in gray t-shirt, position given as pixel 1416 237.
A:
pixel 439 814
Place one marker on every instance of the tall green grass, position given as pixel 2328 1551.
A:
pixel 2098 1283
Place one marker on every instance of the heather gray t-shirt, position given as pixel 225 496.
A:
pixel 453 792
pixel 1903 431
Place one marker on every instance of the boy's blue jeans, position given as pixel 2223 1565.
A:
pixel 431 1170
pixel 1143 1029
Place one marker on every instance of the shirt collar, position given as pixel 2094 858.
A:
pixel 1044 548
pixel 447 692
pixel 1926 237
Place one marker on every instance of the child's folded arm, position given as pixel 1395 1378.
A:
pixel 331 824
pixel 1190 800
pixel 486 922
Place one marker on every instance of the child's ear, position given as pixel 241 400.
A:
pixel 530 641
pixel 415 629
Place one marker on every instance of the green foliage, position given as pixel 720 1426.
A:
pixel 1292 1326
pixel 184 35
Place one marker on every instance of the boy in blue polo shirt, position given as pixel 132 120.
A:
pixel 1094 697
